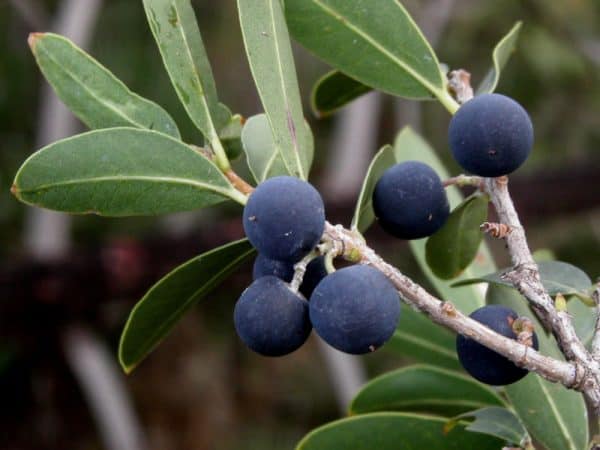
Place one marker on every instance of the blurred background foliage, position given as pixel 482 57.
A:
pixel 201 389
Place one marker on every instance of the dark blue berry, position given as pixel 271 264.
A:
pixel 271 319
pixel 355 309
pixel 264 266
pixel 410 201
pixel 284 218
pixel 491 135
pixel 315 272
pixel 484 364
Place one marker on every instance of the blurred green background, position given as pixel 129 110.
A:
pixel 201 389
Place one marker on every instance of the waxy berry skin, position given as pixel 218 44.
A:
pixel 271 319
pixel 409 201
pixel 284 218
pixel 355 309
pixel 483 363
pixel 490 135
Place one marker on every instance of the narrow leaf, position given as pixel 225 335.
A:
pixel 363 213
pixel 410 146
pixel 423 388
pixel 91 91
pixel 500 57
pixel 333 91
pixel 452 248
pixel 176 32
pixel 380 46
pixel 171 297
pixel 557 277
pixel 394 431
pixel 554 415
pixel 272 64
pixel 121 172
pixel 419 339
pixel 264 160
pixel 494 421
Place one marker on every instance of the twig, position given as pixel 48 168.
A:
pixel 464 180
pixel 595 347
pixel 459 83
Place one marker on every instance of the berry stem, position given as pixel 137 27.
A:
pixel 300 270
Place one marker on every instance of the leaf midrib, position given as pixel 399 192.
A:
pixel 424 343
pixel 108 105
pixel 151 179
pixel 342 19
pixel 555 410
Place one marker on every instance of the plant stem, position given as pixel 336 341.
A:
pixel 447 100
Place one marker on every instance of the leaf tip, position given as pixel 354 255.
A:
pixel 33 38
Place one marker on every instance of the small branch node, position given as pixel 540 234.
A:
pixel 459 84
pixel 496 230
pixel 448 309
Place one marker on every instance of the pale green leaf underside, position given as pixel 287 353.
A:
pixel 495 421
pixel 394 431
pixel 423 388
pixel 121 172
pixel 452 248
pixel 500 57
pixel 176 32
pixel 171 297
pixel 271 61
pixel 264 161
pixel 91 91
pixel 378 45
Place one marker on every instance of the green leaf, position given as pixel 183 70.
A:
pixel 452 248
pixel 557 277
pixel 380 46
pixel 91 91
pixel 272 64
pixel 171 297
pixel 176 32
pixel 494 421
pixel 500 57
pixel 121 172
pixel 394 431
pixel 363 213
pixel 553 415
pixel 333 91
pixel 231 136
pixel 419 339
pixel 583 318
pixel 410 146
pixel 423 388
pixel 264 160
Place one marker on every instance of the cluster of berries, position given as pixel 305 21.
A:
pixel 356 309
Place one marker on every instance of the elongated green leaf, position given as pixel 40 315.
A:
pixel 363 213
pixel 452 248
pixel 176 32
pixel 91 91
pixel 394 431
pixel 500 57
pixel 557 277
pixel 378 45
pixel 553 415
pixel 171 297
pixel 423 388
pixel 494 421
pixel 270 55
pixel 121 172
pixel 333 91
pixel 419 339
pixel 410 146
pixel 264 160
